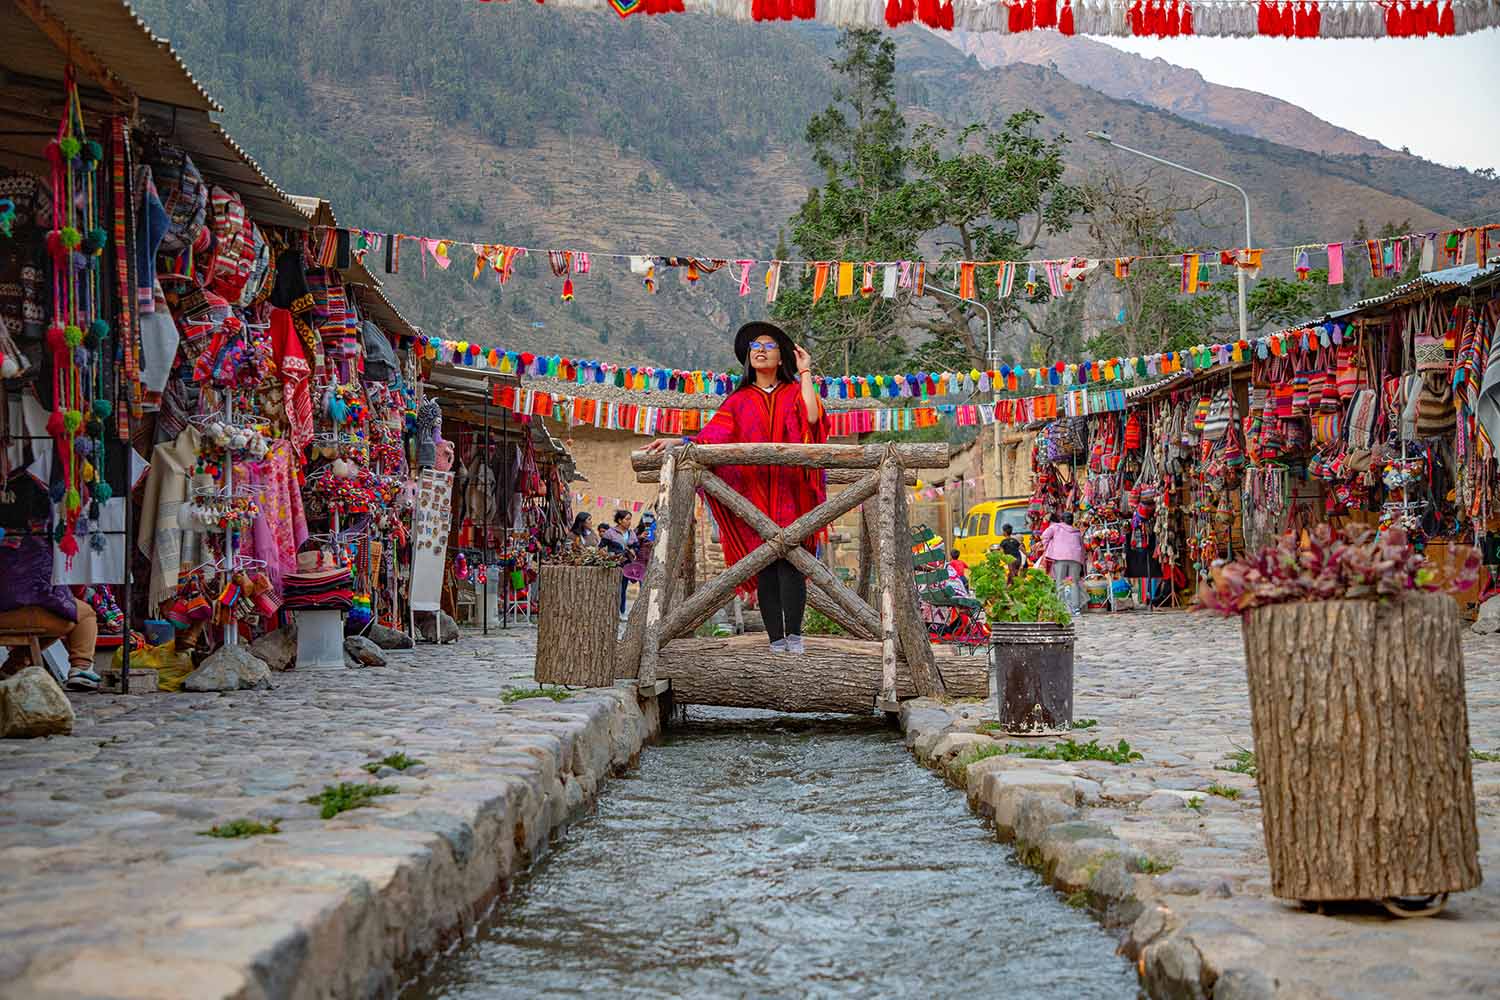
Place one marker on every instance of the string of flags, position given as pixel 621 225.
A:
pixel 933 492
pixel 974 279
pixel 1112 18
pixel 661 421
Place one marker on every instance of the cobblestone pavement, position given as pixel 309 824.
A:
pixel 106 888
pixel 1173 685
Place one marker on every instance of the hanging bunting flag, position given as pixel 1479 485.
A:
pixel 867 286
pixel 921 279
pixel 888 283
pixel 1005 280
pixel 773 281
pixel 744 266
pixel 1335 263
pixel 846 279
pixel 1190 273
pixel 1122 267
pixel 820 280
pixel 1054 278
pixel 966 280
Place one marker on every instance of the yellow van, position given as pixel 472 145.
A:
pixel 981 527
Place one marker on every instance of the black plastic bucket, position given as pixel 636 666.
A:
pixel 1033 668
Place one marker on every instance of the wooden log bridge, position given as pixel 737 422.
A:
pixel 888 655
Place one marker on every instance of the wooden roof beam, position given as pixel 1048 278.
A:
pixel 51 26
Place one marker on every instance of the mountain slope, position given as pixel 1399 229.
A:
pixel 525 124
pixel 1156 82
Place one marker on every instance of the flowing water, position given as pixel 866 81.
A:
pixel 773 856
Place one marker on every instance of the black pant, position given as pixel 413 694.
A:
pixel 783 598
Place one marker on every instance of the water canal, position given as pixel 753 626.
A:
pixel 757 855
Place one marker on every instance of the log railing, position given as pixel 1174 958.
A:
pixel 876 476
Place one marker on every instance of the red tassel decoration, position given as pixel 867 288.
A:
pixel 1046 13
pixel 1393 20
pixel 567 292
pixel 1171 20
pixel 1186 25
pixel 807 9
pixel 1065 19
pixel 908 11
pixel 1264 25
pixel 946 16
pixel 787 10
pixel 1013 18
pixel 892 13
pixel 1445 21
pixel 927 12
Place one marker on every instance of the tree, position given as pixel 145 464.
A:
pixel 1131 217
pixel 857 214
pixel 992 194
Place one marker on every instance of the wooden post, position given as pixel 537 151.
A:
pixel 674 508
pixel 853 614
pixel 889 487
pixel 916 644
pixel 575 636
pixel 716 593
pixel 1362 747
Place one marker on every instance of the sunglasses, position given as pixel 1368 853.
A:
pixel 767 345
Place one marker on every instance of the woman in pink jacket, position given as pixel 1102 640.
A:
pixel 1063 545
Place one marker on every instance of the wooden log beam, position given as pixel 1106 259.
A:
pixel 835 675
pixel 816 456
pixel 899 580
pixel 720 590
pixel 836 477
pixel 674 505
pixel 852 613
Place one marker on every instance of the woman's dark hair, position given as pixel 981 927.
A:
pixel 619 514
pixel 581 522
pixel 1067 517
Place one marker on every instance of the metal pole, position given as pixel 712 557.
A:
pixel 484 559
pixel 1105 138
pixel 505 528
pixel 989 353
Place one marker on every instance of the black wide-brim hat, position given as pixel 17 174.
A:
pixel 756 329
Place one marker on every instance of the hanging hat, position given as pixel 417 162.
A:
pixel 757 329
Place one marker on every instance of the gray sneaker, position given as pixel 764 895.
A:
pixel 779 646
pixel 794 645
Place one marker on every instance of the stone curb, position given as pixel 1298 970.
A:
pixel 1037 807
pixel 357 905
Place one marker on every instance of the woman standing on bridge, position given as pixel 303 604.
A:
pixel 775 403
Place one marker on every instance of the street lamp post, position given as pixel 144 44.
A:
pixel 1106 138
pixel 990 360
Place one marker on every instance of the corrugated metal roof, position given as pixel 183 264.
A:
pixel 1462 276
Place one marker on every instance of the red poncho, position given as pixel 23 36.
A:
pixel 782 492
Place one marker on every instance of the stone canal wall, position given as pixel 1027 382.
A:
pixel 1168 851
pixel 107 888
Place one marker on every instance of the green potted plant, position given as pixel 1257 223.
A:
pixel 1031 646
pixel 1355 667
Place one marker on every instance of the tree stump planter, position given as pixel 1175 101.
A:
pixel 1362 749
pixel 1033 666
pixel 575 638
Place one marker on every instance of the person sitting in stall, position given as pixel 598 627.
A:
pixel 582 532
pixel 31 605
pixel 775 403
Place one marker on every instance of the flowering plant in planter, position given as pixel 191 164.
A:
pixel 1325 565
pixel 1030 597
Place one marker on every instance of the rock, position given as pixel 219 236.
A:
pixel 438 627
pixel 1244 984
pixel 31 704
pixel 388 638
pixel 350 663
pixel 1035 814
pixel 231 668
pixel 1008 792
pixel 952 744
pixel 364 650
pixel 1489 617
pixel 278 649
pixel 1171 967
pixel 1166 801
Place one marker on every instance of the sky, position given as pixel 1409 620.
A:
pixel 1433 95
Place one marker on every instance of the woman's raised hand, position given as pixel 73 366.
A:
pixel 804 360
pixel 661 444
